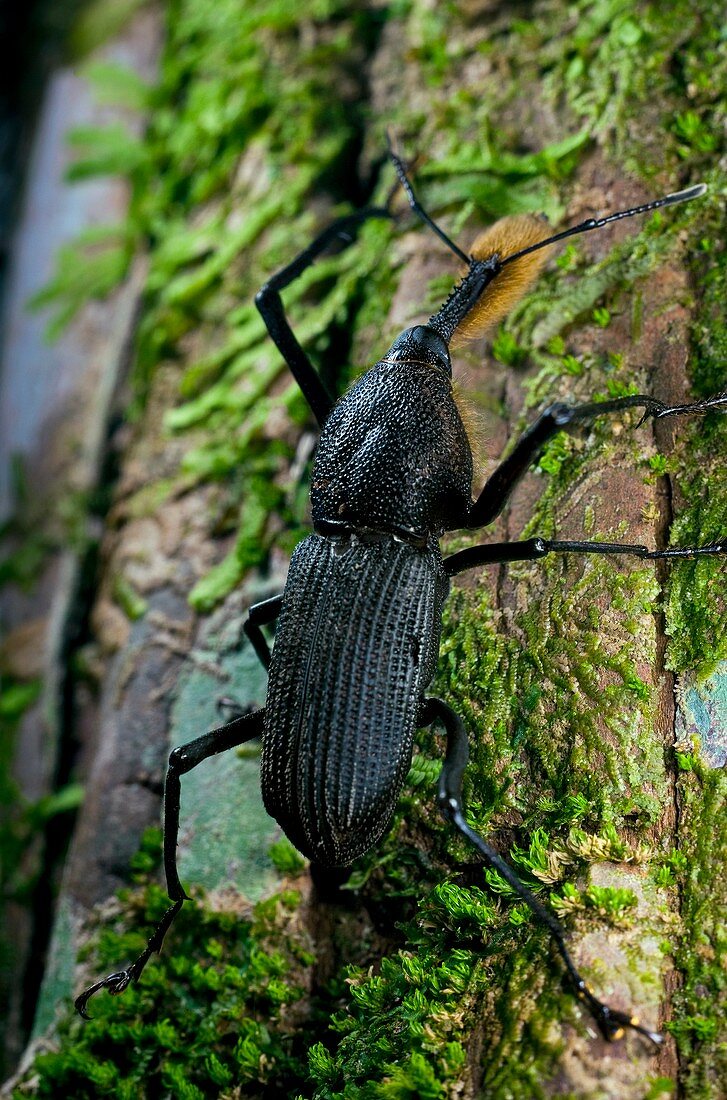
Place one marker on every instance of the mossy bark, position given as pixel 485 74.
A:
pixel 561 670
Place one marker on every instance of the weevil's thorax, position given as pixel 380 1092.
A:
pixel 394 452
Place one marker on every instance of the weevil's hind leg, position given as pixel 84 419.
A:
pixel 559 417
pixel 181 761
pixel 610 1021
pixel 270 304
pixel 533 549
pixel 118 981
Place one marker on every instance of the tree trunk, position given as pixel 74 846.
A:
pixel 590 687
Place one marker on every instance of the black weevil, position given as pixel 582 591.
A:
pixel 359 624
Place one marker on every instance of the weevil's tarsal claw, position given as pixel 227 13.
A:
pixel 120 980
pixel 688 193
pixel 653 1036
pixel 659 411
pixel 716 403
pixel 115 983
pixel 611 1022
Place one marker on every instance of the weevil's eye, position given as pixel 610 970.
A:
pixel 421 344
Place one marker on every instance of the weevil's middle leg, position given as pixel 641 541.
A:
pixel 533 549
pixel 610 1021
pixel 182 760
pixel 557 418
pixel 267 611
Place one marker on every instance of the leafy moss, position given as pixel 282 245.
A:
pixel 220 1006
pixel 698 1023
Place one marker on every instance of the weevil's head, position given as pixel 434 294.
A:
pixel 420 344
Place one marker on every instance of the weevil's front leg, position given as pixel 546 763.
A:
pixel 554 419
pixel 610 1021
pixel 270 304
pixel 534 549
pixel 181 761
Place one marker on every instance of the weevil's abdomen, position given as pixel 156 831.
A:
pixel 356 645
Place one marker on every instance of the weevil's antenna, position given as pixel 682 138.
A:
pixel 502 258
pixel 506 260
pixel 415 204
pixel 596 223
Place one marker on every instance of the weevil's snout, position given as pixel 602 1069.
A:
pixel 421 344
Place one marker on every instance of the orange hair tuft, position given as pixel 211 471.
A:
pixel 505 237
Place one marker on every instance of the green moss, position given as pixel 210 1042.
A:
pixel 125 595
pixel 221 1005
pixel 226 75
pixel 285 858
pixel 696 604
pixel 698 1023
pixel 610 80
